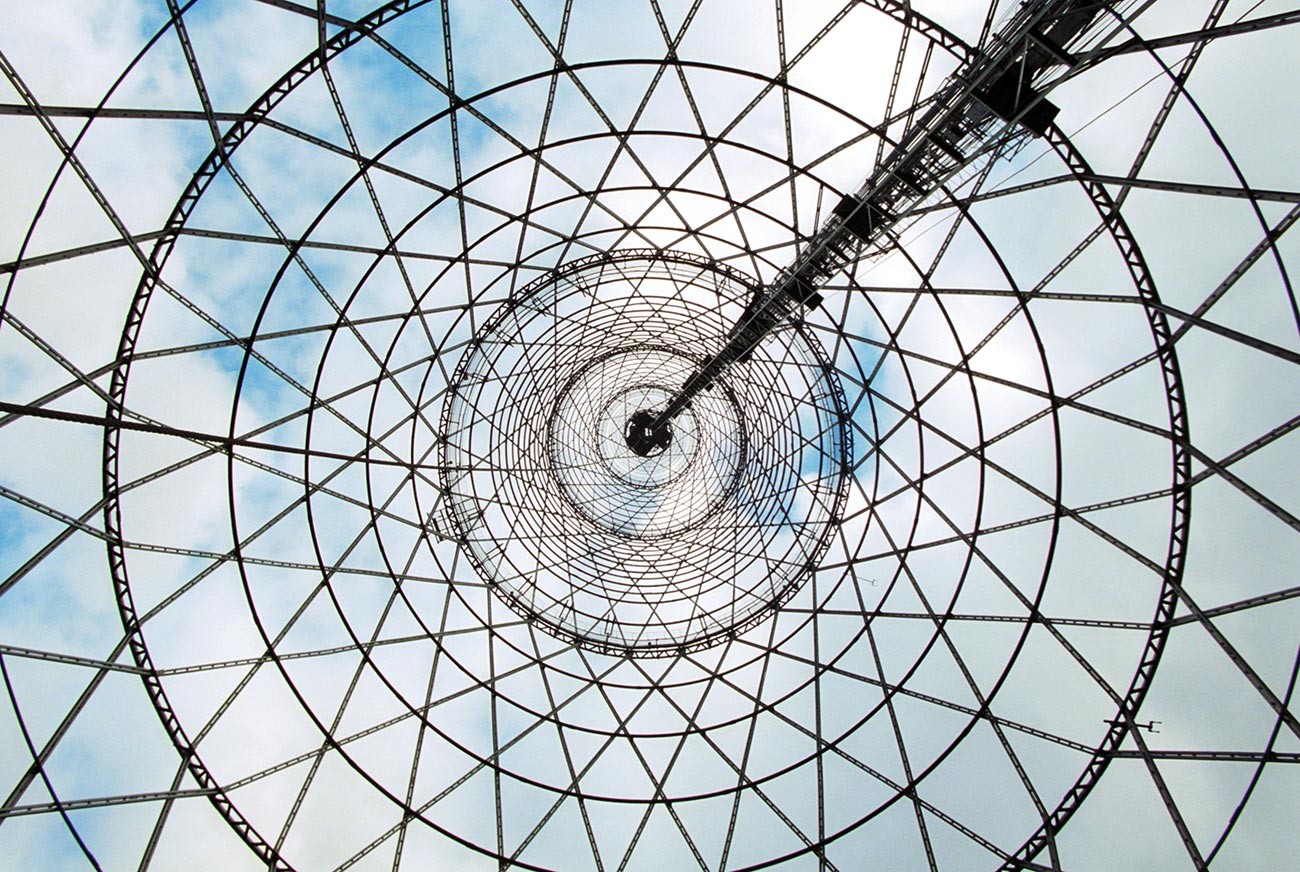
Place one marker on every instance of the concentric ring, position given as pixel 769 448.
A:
pixel 914 543
pixel 404 583
pixel 643 495
pixel 617 551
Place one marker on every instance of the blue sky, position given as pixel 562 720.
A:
pixel 495 732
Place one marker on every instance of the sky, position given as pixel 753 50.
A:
pixel 1018 591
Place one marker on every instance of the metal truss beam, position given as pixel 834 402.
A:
pixel 79 251
pixel 98 112
pixel 1230 191
pixel 1209 756
pixel 69 659
pixel 1193 37
pixel 224 443
pixel 101 802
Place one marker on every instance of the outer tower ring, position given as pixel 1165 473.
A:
pixel 1130 701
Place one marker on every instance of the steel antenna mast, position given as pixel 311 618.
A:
pixel 993 102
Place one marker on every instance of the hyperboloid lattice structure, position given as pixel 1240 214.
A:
pixel 649 435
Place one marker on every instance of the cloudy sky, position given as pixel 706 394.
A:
pixel 262 239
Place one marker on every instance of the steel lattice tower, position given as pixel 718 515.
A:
pixel 649 435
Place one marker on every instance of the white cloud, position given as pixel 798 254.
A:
pixel 493 692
